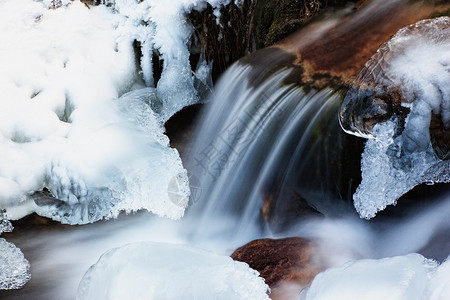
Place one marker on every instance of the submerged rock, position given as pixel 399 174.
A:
pixel 287 265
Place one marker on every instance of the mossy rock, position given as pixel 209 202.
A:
pixel 276 19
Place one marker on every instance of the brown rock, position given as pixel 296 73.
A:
pixel 287 265
pixel 330 52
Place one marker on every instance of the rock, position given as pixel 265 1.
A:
pixel 330 52
pixel 287 265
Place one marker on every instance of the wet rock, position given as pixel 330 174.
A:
pixel 330 51
pixel 287 265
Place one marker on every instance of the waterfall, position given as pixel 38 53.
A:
pixel 261 147
pixel 268 159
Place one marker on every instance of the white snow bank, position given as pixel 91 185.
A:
pixel 165 271
pixel 60 127
pixel 396 278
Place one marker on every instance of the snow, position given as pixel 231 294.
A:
pixel 395 278
pixel 64 126
pixel 423 70
pixel 162 26
pixel 150 270
pixel 439 287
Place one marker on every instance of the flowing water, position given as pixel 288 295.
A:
pixel 266 159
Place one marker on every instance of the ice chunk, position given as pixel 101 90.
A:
pixel 164 271
pixel 410 71
pixel 387 172
pixel 395 278
pixel 14 268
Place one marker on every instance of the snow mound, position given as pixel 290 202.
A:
pixel 396 278
pixel 71 148
pixel 164 271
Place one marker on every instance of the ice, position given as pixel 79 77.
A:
pixel 71 148
pixel 411 71
pixel 387 172
pixel 396 278
pixel 150 270
pixel 439 287
pixel 423 70
pixel 14 268
pixel 162 27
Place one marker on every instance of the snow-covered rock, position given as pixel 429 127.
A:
pixel 166 271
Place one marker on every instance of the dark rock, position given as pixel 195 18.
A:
pixel 289 263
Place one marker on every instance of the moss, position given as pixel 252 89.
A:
pixel 276 19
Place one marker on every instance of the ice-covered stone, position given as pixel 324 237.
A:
pixel 408 74
pixel 439 287
pixel 166 271
pixel 395 278
pixel 401 102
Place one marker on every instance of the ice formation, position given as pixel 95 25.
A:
pixel 72 149
pixel 14 268
pixel 393 100
pixel 162 26
pixel 397 278
pixel 167 271
pixel 387 174
pixel 439 287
